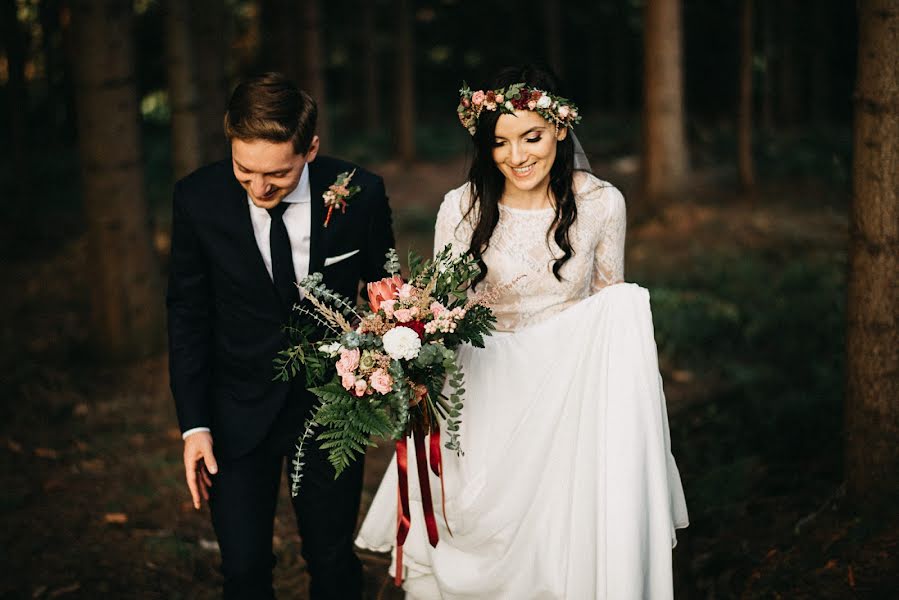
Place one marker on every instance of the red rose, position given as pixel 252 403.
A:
pixel 418 327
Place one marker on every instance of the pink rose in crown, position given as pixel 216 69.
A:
pixel 564 111
pixel 381 381
pixel 477 98
pixel 349 361
pixel 360 387
pixel 385 289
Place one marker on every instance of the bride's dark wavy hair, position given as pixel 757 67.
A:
pixel 488 182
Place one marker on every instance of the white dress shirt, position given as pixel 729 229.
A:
pixel 298 220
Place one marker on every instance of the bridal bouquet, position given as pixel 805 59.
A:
pixel 388 371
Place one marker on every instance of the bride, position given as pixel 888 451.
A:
pixel 567 488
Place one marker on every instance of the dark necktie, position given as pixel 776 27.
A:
pixel 282 259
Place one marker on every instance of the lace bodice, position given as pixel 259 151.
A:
pixel 520 255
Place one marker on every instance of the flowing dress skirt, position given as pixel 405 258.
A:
pixel 567 488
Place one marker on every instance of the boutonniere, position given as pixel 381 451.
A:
pixel 339 192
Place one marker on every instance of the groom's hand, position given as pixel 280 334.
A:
pixel 199 463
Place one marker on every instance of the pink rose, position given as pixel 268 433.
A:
pixel 500 98
pixel 387 307
pixel 563 111
pixel 381 381
pixel 406 291
pixel 477 98
pixel 348 380
pixel 403 315
pixel 532 104
pixel 414 311
pixel 437 309
pixel 349 360
pixel 361 386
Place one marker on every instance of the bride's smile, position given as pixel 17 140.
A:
pixel 524 151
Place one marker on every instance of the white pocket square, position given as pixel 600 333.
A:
pixel 336 259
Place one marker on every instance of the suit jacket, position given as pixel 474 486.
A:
pixel 225 318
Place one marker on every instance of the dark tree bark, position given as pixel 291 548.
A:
pixel 211 35
pixel 665 157
pixel 126 294
pixel 872 391
pixel 744 118
pixel 767 91
pixel 552 15
pixel 293 44
pixel 14 44
pixel 405 77
pixel 184 100
pixel 313 54
pixel 371 75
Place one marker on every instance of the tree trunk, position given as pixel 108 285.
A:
pixel 313 54
pixel 281 31
pixel 183 97
pixel 872 391
pixel 126 295
pixel 744 126
pixel 665 158
pixel 13 37
pixel 371 101
pixel 405 77
pixel 768 74
pixel 211 36
pixel 552 13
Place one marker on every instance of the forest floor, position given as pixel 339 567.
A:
pixel 92 496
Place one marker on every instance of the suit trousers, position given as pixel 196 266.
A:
pixel 243 500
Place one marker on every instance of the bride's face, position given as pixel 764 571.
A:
pixel 525 149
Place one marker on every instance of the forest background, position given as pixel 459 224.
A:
pixel 756 142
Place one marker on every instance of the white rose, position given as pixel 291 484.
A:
pixel 402 343
pixel 544 102
pixel 331 350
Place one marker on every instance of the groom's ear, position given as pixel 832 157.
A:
pixel 313 149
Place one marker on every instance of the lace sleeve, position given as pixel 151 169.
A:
pixel 608 261
pixel 450 228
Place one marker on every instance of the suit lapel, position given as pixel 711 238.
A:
pixel 318 183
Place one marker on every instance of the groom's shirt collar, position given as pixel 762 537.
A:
pixel 301 193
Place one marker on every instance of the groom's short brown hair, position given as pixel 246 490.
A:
pixel 271 107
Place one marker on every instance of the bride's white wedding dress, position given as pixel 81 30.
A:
pixel 567 488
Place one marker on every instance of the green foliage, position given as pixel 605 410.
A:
pixel 772 334
pixel 298 357
pixel 348 423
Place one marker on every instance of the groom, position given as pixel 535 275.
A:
pixel 243 231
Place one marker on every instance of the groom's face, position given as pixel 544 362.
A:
pixel 269 171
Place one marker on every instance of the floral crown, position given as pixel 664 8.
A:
pixel 555 109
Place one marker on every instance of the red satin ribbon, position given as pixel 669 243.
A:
pixel 424 484
pixel 437 467
pixel 403 514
